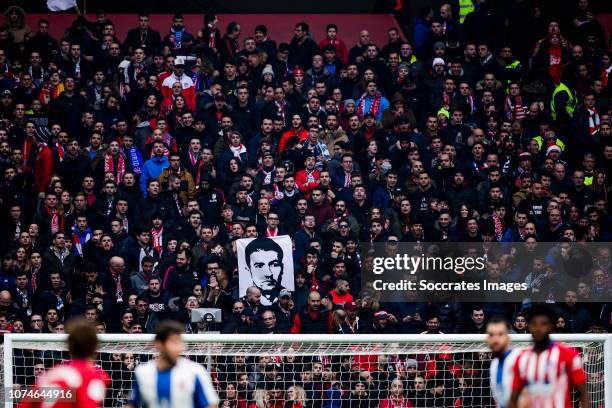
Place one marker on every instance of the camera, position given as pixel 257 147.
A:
pixel 206 315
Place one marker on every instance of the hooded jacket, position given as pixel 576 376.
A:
pixel 152 169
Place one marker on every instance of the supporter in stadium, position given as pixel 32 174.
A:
pixel 130 167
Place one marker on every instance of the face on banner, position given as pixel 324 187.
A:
pixel 267 264
pixel 266 268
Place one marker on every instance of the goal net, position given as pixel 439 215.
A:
pixel 313 371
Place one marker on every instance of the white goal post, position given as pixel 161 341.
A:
pixel 454 365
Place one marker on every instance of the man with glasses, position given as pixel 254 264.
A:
pixel 302 48
pixel 269 323
pixel 36 323
pixel 26 92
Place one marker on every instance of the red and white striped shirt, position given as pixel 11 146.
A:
pixel 549 376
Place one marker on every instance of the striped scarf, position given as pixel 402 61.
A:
pixel 178 37
pixel 515 110
pixel 109 166
pixel 57 220
pixel 594 121
pixel 374 106
pixel 156 236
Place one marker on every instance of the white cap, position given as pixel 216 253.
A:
pixel 438 61
pixel 124 64
pixel 179 60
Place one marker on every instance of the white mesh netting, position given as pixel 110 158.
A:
pixel 298 374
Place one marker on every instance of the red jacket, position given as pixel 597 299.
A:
pixel 306 187
pixel 302 135
pixel 322 212
pixel 395 403
pixel 338 299
pixel 43 169
pixel 341 50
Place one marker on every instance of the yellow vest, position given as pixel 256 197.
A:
pixel 513 65
pixel 558 142
pixel 465 7
pixel 571 101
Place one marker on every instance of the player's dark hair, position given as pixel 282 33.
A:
pixel 542 310
pixel 82 339
pixel 166 329
pixel 498 320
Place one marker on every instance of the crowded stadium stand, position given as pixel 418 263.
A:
pixel 139 151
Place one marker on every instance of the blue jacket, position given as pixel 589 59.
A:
pixel 382 198
pixel 420 31
pixel 384 105
pixel 151 169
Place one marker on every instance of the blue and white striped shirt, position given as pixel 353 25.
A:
pixel 186 385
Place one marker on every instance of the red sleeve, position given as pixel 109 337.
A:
pixel 575 368
pixel 282 142
pixel 517 379
pixel 166 277
pixel 297 325
pixel 190 97
pixel 166 91
pixel 43 169
pixel 300 180
pixel 160 82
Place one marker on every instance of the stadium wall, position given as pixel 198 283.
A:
pixel 280 26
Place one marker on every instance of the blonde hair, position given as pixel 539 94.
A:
pixel 261 398
pixel 300 394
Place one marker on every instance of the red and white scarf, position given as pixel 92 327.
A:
pixel 156 235
pixel 515 110
pixel 237 151
pixel 347 179
pixel 57 220
pixel 193 157
pixel 118 288
pixel 594 121
pixel 374 106
pixel 267 175
pixel 447 100
pixel 109 166
pixel 60 151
